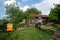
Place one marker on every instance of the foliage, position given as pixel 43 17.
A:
pixel 30 11
pixel 15 15
pixel 3 24
pixel 26 34
pixel 55 13
pixel 33 11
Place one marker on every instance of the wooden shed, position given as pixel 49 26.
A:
pixel 33 21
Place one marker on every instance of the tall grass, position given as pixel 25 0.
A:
pixel 26 34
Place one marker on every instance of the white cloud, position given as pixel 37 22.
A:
pixel 46 5
pixel 13 1
pixel 24 8
pixel 24 0
pixel 9 2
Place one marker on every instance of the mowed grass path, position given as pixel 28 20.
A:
pixel 25 34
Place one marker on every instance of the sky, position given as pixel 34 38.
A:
pixel 2 9
pixel 42 5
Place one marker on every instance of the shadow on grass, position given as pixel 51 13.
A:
pixel 56 26
pixel 47 31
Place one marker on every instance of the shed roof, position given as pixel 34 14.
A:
pixel 39 15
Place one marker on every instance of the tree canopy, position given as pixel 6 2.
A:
pixel 14 14
pixel 55 13
pixel 30 11
pixel 33 11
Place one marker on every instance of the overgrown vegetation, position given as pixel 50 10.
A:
pixel 16 15
pixel 3 24
pixel 55 13
pixel 26 34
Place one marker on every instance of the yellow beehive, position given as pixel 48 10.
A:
pixel 9 27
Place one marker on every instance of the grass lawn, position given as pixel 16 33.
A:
pixel 26 34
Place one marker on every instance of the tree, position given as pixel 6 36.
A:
pixel 15 15
pixel 29 12
pixel 3 24
pixel 55 13
pixel 33 11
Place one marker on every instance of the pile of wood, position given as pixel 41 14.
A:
pixel 56 35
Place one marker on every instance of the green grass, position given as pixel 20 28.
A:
pixel 26 34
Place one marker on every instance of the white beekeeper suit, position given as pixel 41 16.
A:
pixel 39 20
